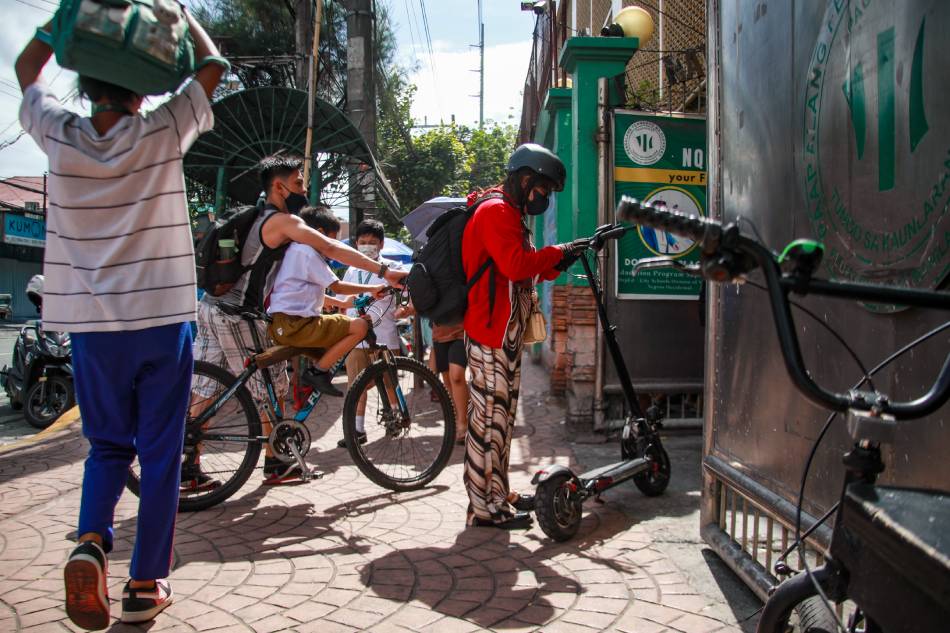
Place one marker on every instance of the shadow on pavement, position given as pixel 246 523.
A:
pixel 483 577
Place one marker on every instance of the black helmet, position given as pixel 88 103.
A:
pixel 541 161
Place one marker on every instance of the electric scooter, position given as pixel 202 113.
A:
pixel 560 493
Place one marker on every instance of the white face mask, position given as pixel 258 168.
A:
pixel 370 250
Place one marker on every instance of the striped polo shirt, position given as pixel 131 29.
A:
pixel 119 250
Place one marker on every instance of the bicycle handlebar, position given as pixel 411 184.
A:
pixel 727 255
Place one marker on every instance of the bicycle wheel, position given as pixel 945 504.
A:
pixel 400 453
pixel 221 453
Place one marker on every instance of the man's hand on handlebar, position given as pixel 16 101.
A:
pixel 379 291
pixel 395 278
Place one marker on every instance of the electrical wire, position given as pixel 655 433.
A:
pixel 38 8
pixel 830 330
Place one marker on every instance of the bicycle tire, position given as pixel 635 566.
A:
pixel 202 500
pixel 813 617
pixel 369 456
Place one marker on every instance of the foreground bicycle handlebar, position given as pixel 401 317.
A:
pixel 727 255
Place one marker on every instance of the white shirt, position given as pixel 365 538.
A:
pixel 384 323
pixel 301 282
pixel 119 253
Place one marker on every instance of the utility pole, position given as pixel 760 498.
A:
pixel 361 101
pixel 481 67
pixel 303 32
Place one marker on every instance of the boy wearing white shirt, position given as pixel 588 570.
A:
pixel 296 305
pixel 369 238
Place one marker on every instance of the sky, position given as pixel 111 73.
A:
pixel 444 79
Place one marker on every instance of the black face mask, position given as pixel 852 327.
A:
pixel 537 205
pixel 295 202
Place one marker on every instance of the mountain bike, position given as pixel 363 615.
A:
pixel 409 434
pixel 890 549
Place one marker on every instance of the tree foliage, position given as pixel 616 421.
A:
pixel 444 161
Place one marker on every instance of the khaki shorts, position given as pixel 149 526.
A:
pixel 321 331
pixel 357 361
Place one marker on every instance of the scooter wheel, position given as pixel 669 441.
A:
pixel 558 507
pixel 653 481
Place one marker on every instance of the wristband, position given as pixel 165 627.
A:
pixel 44 36
pixel 214 59
pixel 383 269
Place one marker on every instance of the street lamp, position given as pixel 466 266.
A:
pixel 631 22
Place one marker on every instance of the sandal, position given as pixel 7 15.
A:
pixel 506 521
pixel 524 503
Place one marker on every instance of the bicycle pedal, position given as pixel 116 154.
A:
pixel 315 474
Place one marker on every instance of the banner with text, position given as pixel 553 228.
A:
pixel 658 159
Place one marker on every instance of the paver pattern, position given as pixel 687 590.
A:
pixel 341 554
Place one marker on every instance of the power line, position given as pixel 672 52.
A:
pixel 38 8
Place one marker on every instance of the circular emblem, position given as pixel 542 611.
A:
pixel 663 243
pixel 875 154
pixel 644 142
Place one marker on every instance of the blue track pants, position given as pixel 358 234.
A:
pixel 133 392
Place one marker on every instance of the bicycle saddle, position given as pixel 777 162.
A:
pixel 248 314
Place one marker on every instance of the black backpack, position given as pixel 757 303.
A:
pixel 217 272
pixel 437 283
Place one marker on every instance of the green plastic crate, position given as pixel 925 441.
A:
pixel 142 45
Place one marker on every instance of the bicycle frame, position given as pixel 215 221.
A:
pixel 273 405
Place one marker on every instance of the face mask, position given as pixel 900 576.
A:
pixel 370 250
pixel 537 205
pixel 295 202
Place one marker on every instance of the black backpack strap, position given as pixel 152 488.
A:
pixel 489 264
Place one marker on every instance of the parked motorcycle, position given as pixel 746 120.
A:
pixel 40 378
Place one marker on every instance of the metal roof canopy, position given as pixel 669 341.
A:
pixel 258 122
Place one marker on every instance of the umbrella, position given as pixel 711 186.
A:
pixel 393 250
pixel 419 220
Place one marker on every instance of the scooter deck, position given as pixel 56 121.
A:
pixel 617 469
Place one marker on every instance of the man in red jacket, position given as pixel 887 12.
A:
pixel 499 305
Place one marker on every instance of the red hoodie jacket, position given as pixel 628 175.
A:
pixel 495 231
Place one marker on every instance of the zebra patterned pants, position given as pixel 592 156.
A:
pixel 496 379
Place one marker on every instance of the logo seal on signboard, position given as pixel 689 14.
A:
pixel 644 142
pixel 875 160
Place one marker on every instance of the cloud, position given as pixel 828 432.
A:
pixel 449 91
pixel 23 158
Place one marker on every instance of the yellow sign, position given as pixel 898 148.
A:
pixel 665 176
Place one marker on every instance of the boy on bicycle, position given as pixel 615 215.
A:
pixel 296 305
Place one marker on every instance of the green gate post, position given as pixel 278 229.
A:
pixel 554 132
pixel 316 183
pixel 587 59
pixel 221 190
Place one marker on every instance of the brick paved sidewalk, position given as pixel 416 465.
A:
pixel 341 554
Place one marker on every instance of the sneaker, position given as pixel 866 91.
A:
pixel 193 480
pixel 322 381
pixel 142 605
pixel 360 439
pixel 87 598
pixel 277 472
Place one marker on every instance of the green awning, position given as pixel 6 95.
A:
pixel 251 124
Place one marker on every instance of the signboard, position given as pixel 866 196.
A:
pixel 658 159
pixel 875 142
pixel 24 231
